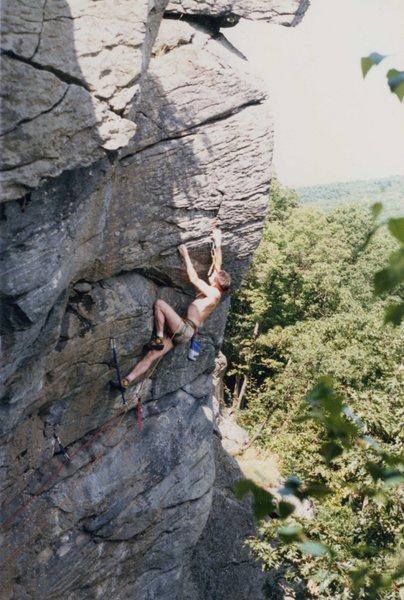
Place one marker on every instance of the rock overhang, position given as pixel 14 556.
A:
pixel 86 253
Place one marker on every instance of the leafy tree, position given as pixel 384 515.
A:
pixel 310 290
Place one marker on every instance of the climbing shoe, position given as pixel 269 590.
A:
pixel 122 386
pixel 156 343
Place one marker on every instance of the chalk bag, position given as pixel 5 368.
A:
pixel 194 349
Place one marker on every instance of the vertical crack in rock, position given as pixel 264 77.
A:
pixel 40 32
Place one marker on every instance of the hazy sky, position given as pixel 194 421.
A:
pixel 330 123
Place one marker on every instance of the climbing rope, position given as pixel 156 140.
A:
pixel 138 393
pixel 68 458
pixel 54 474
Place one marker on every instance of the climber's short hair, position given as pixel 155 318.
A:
pixel 224 280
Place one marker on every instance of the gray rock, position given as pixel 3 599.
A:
pixel 88 242
pixel 83 287
pixel 171 101
pixel 221 565
pixel 77 64
pixel 282 12
pixel 21 25
pixel 141 504
pixel 234 437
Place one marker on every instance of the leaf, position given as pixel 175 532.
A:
pixel 367 62
pixel 242 487
pixel 383 281
pixel 380 498
pixel 376 209
pixel 375 470
pixel 358 577
pixel 393 477
pixel 302 418
pixel 285 509
pixel 363 550
pixel 292 484
pixel 290 533
pixel 339 427
pixel 389 476
pixel 393 460
pixel 314 548
pixel 396 227
pixel 263 502
pixel 330 451
pixel 395 80
pixel 323 396
pixel 323 389
pixel 390 277
pixel 315 489
pixel 394 314
pixel 399 571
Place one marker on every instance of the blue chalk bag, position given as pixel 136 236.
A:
pixel 194 349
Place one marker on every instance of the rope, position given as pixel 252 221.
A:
pixel 55 474
pixel 142 383
pixel 66 458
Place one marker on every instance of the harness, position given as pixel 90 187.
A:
pixel 109 427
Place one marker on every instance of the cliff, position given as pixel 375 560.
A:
pixel 123 135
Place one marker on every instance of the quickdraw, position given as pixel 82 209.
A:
pixel 118 371
pixel 63 451
pixel 213 256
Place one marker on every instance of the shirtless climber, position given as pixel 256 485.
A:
pixel 171 329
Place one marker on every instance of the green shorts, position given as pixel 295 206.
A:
pixel 185 332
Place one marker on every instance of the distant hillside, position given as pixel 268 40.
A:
pixel 389 191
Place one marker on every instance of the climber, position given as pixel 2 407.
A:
pixel 171 329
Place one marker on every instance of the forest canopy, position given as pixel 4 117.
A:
pixel 307 309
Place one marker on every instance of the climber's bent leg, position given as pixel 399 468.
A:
pixel 145 364
pixel 164 314
pixel 164 317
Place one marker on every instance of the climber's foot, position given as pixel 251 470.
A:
pixel 121 386
pixel 156 343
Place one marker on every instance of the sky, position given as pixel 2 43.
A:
pixel 330 123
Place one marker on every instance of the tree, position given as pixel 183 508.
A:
pixel 310 289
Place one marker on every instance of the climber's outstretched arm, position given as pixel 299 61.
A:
pixel 194 278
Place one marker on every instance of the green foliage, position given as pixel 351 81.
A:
pixel 263 502
pixel 395 79
pixel 386 192
pixel 391 278
pixel 310 289
pixel 367 62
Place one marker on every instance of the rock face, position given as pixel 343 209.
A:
pixel 70 69
pixel 283 12
pixel 116 147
